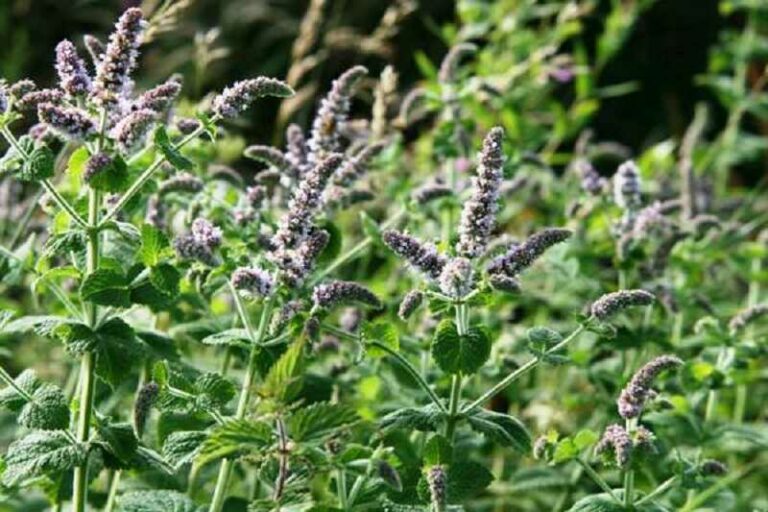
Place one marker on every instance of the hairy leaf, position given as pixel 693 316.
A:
pixel 233 438
pixel 319 419
pixel 106 287
pixel 41 453
pixel 156 501
pixel 501 428
pixel 460 354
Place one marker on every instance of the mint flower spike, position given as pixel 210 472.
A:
pixel 113 71
pixel 200 243
pixel 746 317
pixel 457 278
pixel 479 214
pixel 235 99
pixel 159 99
pixel 638 389
pixel 521 256
pixel 33 99
pixel 410 303
pixel 95 48
pixel 69 123
pixel 327 296
pixel 3 99
pixel 612 303
pixel 422 256
pixel 145 399
pixel 256 281
pixel 73 77
pixel 450 65
pixel 333 114
pixel 131 130
pixel 627 186
pixel 95 165
pixel 616 440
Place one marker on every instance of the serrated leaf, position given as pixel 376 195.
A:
pixel 180 448
pixel 112 178
pixel 382 332
pixel 43 325
pixel 160 290
pixel 119 442
pixel 41 453
pixel 466 479
pixel 165 147
pixel 28 382
pixel 154 245
pixel 106 287
pixel 438 451
pixel 234 438
pixel 604 503
pixel 501 428
pixel 543 336
pixel 230 337
pixel 318 420
pixel 426 419
pixel 118 350
pixel 39 166
pixel 213 391
pixel 283 380
pixel 460 354
pixel 48 410
pixel 156 501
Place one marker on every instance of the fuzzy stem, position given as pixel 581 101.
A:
pixel 598 479
pixel 661 489
pixel 506 381
pixel 225 470
pixel 341 488
pixel 114 485
pixel 462 325
pixel 629 474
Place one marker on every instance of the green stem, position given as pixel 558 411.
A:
pixel 753 297
pixel 629 474
pixel 341 488
pixel 114 485
pixel 506 381
pixel 462 326
pixel 225 470
pixel 598 479
pixel 661 489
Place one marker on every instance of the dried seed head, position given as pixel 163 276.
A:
pixel 327 296
pixel 638 389
pixel 69 123
pixel 450 65
pixel 479 214
pixel 296 224
pixel 95 48
pixel 97 164
pixel 611 303
pixel 33 99
pixel 236 99
pixel 332 115
pixel 145 398
pixel 159 99
pixel 456 279
pixel 113 72
pixel 423 257
pixel 746 317
pixel 182 182
pixel 131 130
pixel 627 186
pixel 256 281
pixel 711 467
pixel 437 480
pixel 410 303
pixel 73 77
pixel 522 256
pixel 616 442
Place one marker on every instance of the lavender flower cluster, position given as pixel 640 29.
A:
pixel 521 256
pixel 254 280
pixel 200 243
pixel 423 257
pixel 612 303
pixel 634 396
pixel 327 296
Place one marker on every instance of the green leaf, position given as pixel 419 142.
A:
pixel 318 420
pixel 233 438
pixel 28 382
pixel 41 453
pixel 117 352
pixel 77 161
pixel 119 443
pixel 180 448
pixel 383 332
pixel 165 147
pixel 460 354
pixel 39 166
pixel 42 325
pixel 113 178
pixel 154 245
pixel 426 419
pixel 604 503
pixel 106 287
pixel 438 451
pixel 585 438
pixel 501 428
pixel 230 337
pixel 565 450
pixel 48 410
pixel 213 391
pixel 466 479
pixel 160 290
pixel 543 336
pixel 156 501
pixel 284 378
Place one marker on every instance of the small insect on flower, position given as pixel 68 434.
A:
pixel 69 123
pixel 423 257
pixel 456 279
pixel 521 256
pixel 611 303
pixel 478 216
pixel 73 77
pixel 633 397
pixel 327 296
pixel 616 442
pixel 113 72
pixel 410 303
pixel 145 399
pixel 627 186
pixel 236 99
pixel 254 280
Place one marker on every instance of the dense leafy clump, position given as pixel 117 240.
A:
pixel 453 297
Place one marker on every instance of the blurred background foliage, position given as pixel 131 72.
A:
pixel 655 70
